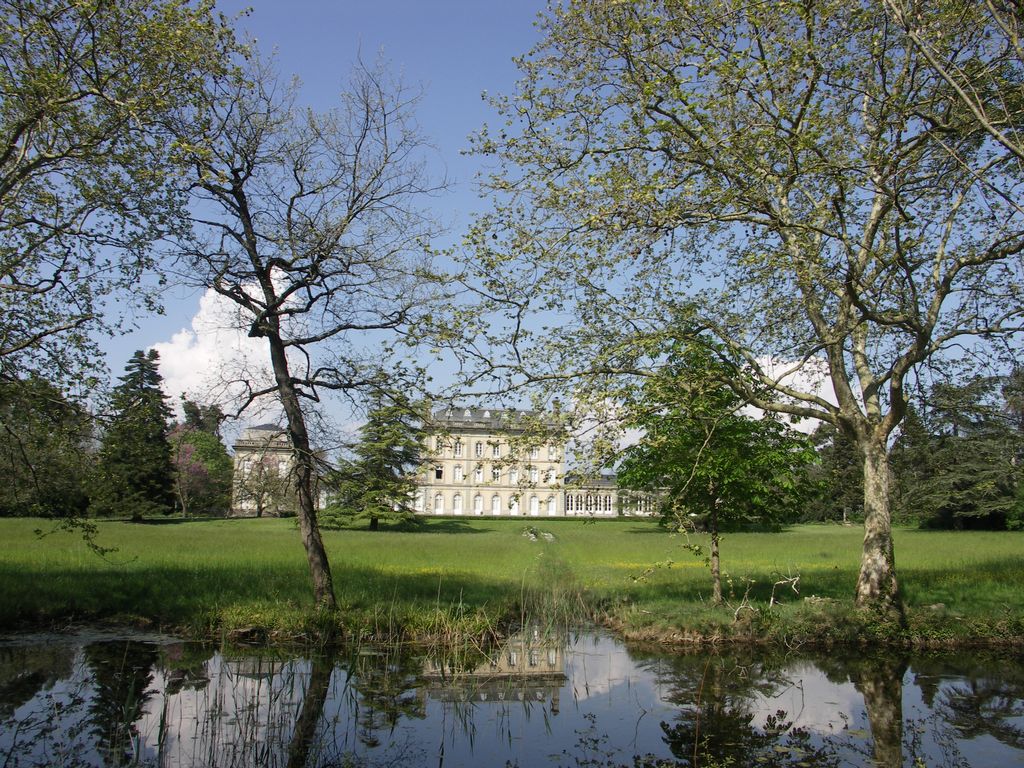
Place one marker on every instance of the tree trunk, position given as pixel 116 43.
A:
pixel 304 473
pixel 876 585
pixel 374 523
pixel 716 571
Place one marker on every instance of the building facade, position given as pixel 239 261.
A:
pixel 504 463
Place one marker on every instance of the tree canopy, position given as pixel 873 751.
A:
pixel 90 175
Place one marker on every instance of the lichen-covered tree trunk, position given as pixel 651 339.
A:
pixel 305 474
pixel 876 584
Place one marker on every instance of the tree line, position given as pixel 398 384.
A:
pixel 131 460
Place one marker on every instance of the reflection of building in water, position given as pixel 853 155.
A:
pixel 523 669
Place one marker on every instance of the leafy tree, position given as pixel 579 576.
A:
pixel 705 457
pixel 378 482
pixel 136 475
pixel 90 177
pixel 794 171
pixel 45 450
pixel 310 226
pixel 202 471
pixel 963 474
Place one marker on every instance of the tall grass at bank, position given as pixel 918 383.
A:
pixel 472 575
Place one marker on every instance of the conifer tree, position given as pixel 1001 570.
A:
pixel 379 482
pixel 136 476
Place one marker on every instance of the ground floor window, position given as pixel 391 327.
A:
pixel 495 504
pixel 438 504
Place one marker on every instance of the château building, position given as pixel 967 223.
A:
pixel 481 461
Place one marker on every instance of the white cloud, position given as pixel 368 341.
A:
pixel 206 361
pixel 807 376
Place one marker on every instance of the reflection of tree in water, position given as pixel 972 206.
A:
pixel 715 724
pixel 985 707
pixel 386 686
pixel 27 671
pixel 122 673
pixel 879 679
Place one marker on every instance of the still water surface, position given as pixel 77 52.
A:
pixel 587 700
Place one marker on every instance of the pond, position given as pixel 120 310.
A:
pixel 586 700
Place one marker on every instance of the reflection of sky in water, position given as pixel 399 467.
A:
pixel 608 706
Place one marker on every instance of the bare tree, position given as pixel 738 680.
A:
pixel 310 223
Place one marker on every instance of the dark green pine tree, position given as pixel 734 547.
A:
pixel 136 477
pixel 379 481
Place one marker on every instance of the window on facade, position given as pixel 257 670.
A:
pixel 478 474
pixel 458 447
pixel 438 444
pixel 439 473
pixel 478 449
pixel 513 476
pixel 547 475
pixel 418 504
pixel 495 474
pixel 457 504
pixel 552 452
pixel 535 452
pixel 534 505
pixel 534 474
pixel 457 473
pixel 438 504
pixel 495 504
pixel 496 450
pixel 551 506
pixel 478 504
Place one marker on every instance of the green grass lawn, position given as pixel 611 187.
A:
pixel 205 575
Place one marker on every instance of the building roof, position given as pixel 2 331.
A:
pixel 491 418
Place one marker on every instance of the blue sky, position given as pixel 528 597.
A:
pixel 454 49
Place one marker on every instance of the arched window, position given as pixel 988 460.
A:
pixel 478 504
pixel 534 506
pixel 513 507
pixel 438 504
pixel 418 503
pixel 457 504
pixel 551 506
pixel 495 504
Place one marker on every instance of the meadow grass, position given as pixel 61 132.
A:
pixel 473 576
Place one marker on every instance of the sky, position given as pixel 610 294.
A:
pixel 454 49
